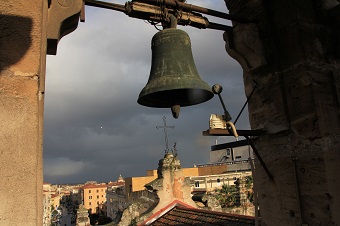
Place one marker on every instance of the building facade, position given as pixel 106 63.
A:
pixel 232 155
pixel 115 198
pixel 133 184
pixel 93 197
pixel 47 204
pixel 208 183
pixel 115 201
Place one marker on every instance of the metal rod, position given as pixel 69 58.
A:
pixel 298 194
pixel 245 104
pixel 106 5
pixel 225 132
pixel 127 10
pixel 226 113
pixel 259 158
pixel 191 8
pixel 216 26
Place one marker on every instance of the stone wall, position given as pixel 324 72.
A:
pixel 22 71
pixel 291 55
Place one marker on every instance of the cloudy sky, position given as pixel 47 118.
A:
pixel 94 128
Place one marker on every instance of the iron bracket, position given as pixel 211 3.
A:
pixel 226 132
pixel 248 141
pixel 63 18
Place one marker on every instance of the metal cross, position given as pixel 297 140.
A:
pixel 165 133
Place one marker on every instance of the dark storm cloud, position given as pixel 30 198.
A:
pixel 94 128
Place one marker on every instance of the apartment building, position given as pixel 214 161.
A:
pixel 207 183
pixel 115 198
pixel 93 197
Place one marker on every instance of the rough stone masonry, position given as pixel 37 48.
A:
pixel 291 55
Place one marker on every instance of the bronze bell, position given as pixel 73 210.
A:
pixel 174 80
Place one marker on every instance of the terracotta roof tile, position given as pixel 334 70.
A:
pixel 180 215
pixel 87 186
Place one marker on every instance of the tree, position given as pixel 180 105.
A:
pixel 226 195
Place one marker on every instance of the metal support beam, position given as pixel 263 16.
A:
pixel 234 144
pixel 226 132
pixel 258 156
pixel 248 141
pixel 154 13
pixel 106 5
pixel 193 8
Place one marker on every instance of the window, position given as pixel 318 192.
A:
pixel 97 190
pixel 89 191
pixel 102 196
pixel 90 197
pixel 97 196
pixel 90 203
pixel 218 180
pixel 197 184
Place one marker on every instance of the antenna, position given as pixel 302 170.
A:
pixel 165 127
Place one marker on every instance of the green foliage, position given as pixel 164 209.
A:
pixel 250 196
pixel 226 195
pixel 249 182
pixel 249 187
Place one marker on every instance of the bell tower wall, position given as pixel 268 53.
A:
pixel 22 72
pixel 291 54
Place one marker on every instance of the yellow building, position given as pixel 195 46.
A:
pixel 133 184
pixel 93 197
pixel 55 200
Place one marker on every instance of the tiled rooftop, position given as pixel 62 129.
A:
pixel 182 216
pixel 117 183
pixel 89 186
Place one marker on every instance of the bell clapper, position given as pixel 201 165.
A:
pixel 175 111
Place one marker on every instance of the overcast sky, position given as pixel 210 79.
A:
pixel 94 128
